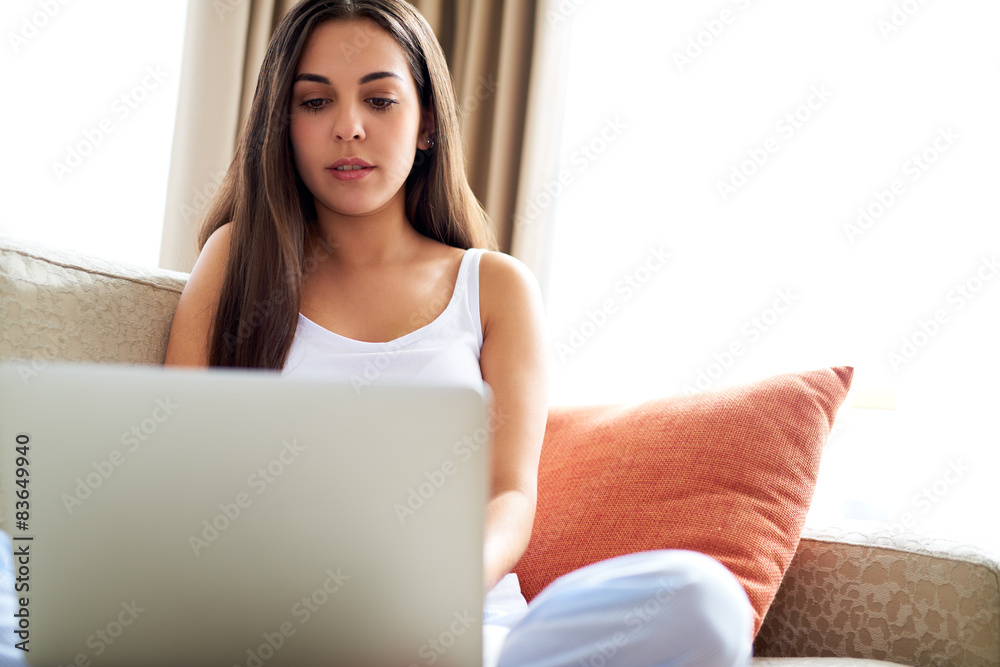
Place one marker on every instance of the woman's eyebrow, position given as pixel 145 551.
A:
pixel 319 78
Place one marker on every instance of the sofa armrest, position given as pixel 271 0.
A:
pixel 886 596
pixel 59 305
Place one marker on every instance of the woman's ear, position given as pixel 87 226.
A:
pixel 427 129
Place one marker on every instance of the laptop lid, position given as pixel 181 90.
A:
pixel 224 517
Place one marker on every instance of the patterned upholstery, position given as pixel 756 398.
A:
pixel 56 304
pixel 882 597
pixel 886 596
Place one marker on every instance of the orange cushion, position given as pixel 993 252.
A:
pixel 729 473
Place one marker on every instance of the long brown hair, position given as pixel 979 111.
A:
pixel 271 209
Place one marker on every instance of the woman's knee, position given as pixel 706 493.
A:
pixel 717 628
pixel 664 607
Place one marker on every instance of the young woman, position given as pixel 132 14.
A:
pixel 345 230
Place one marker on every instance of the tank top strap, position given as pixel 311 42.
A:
pixel 470 281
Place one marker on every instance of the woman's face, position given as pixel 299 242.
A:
pixel 355 106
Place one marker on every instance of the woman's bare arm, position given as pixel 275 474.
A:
pixel 515 365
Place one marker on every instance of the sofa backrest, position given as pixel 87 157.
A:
pixel 57 305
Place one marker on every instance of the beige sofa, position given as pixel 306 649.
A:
pixel 847 598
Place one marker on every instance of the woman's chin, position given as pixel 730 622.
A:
pixel 354 209
pixel 362 207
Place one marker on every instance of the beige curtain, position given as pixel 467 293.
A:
pixel 505 67
pixel 224 46
pixel 489 45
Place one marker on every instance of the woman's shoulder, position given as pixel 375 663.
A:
pixel 187 344
pixel 209 270
pixel 216 248
pixel 500 270
pixel 507 288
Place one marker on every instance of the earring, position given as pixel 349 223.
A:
pixel 430 143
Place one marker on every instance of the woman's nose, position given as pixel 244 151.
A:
pixel 348 125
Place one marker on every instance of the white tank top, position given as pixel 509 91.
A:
pixel 445 351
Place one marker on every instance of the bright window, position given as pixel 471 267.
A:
pixel 88 122
pixel 748 188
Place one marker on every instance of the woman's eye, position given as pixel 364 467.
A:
pixel 308 105
pixel 377 104
pixel 380 103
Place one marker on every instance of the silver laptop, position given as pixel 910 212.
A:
pixel 183 517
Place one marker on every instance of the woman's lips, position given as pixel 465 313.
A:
pixel 350 172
